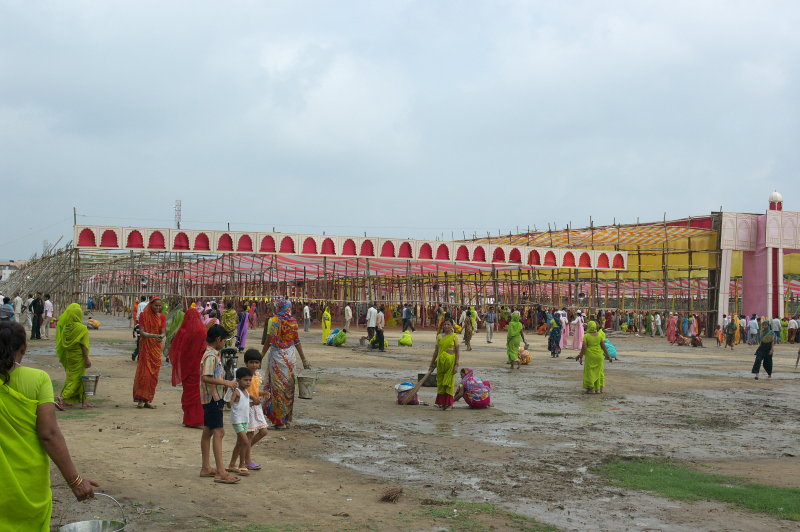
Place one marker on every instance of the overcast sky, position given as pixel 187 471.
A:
pixel 397 118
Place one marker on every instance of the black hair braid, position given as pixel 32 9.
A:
pixel 12 338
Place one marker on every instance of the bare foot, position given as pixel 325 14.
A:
pixel 208 472
pixel 87 405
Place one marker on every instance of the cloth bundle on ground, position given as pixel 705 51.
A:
pixel 331 336
pixel 477 393
pixel 612 351
pixel 405 339
pixel 93 323
pixel 340 339
pixel 403 390
pixel 525 356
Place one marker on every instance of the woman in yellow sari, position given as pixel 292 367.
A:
pixel 595 352
pixel 445 360
pixel 72 348
pixel 30 438
pixel 326 325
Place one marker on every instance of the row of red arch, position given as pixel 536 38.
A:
pixel 135 240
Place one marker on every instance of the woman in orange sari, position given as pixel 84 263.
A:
pixel 153 326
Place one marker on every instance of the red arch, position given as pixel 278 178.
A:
pixel 619 262
pixel 245 243
pixel 585 261
pixel 550 259
pixel 201 242
pixel 287 245
pixel 425 251
pixel 443 252
pixel 568 260
pixel 499 255
pixel 387 249
pixel 349 247
pixel 462 253
pixel 479 255
pixel 328 247
pixel 602 261
pixel 225 243
pixel 109 239
pixel 86 238
pixel 534 259
pixel 267 244
pixel 156 241
pixel 515 256
pixel 367 250
pixel 405 251
pixel 135 240
pixel 181 241
pixel 310 246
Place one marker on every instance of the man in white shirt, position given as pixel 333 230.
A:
pixel 380 323
pixel 656 329
pixel 752 330
pixel 17 301
pixel 372 317
pixel 776 329
pixel 792 330
pixel 306 317
pixel 48 316
pixel 348 316
pixel 141 307
pixel 26 311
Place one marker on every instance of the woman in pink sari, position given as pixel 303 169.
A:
pixel 672 328
pixel 577 332
pixel 476 393
pixel 564 328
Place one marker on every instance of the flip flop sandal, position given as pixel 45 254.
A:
pixel 244 471
pixel 237 471
pixel 233 480
pixel 252 466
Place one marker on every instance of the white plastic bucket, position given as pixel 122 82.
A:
pixel 305 386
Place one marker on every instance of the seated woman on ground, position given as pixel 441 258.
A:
pixel 475 392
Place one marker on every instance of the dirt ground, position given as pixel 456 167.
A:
pixel 532 453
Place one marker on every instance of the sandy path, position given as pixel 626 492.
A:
pixel 532 452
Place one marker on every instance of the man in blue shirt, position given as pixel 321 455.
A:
pixel 489 318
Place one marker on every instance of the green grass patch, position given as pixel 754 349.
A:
pixel 678 481
pixel 551 414
pixel 478 517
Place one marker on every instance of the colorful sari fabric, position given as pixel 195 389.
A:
pixel 326 325
pixel 554 339
pixel 445 364
pixel 577 333
pixel 593 360
pixel 282 334
pixel 149 361
pixel 672 328
pixel 730 333
pixel 186 353
pixel 513 338
pixel 230 320
pixel 784 331
pixel 174 321
pixel 242 329
pixel 71 336
pixel 477 393
pixel 27 500
pixel 564 330
pixel 340 339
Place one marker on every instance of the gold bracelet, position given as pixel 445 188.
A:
pixel 75 483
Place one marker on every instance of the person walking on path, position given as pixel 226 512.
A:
pixel 513 338
pixel 153 330
pixel 764 351
pixel 489 319
pixel 306 318
pixel 37 310
pixel 595 353
pixel 72 348
pixel 380 323
pixel 372 316
pixel 47 317
pixel 348 316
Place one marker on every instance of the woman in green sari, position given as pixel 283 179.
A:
pixel 513 339
pixel 326 325
pixel 595 353
pixel 30 438
pixel 445 360
pixel 174 322
pixel 72 348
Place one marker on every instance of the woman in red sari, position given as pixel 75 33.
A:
pixel 185 354
pixel 153 326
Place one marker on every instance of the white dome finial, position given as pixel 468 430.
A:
pixel 775 197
